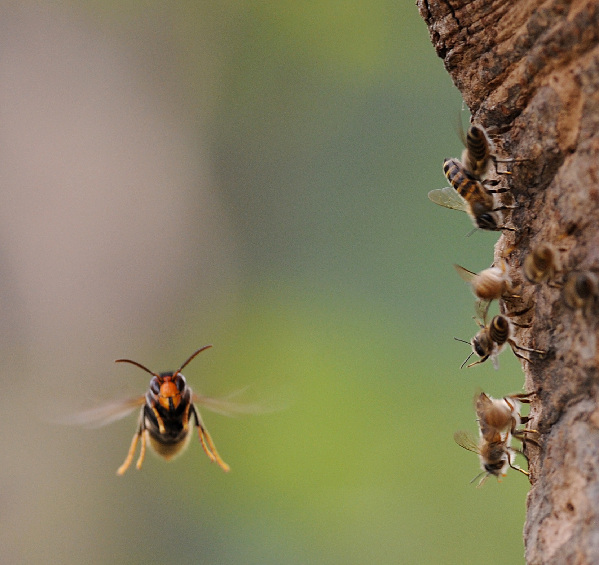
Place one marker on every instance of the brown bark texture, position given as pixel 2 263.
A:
pixel 529 72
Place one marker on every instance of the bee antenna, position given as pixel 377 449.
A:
pixel 466 361
pixel 462 340
pixel 482 480
pixel 471 232
pixel 137 365
pixel 191 358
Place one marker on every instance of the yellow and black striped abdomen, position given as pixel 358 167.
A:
pixel 499 330
pixel 477 144
pixel 467 187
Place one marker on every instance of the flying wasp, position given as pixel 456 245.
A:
pixel 167 416
pixel 469 195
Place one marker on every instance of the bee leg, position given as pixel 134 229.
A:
pixel 530 350
pixel 499 190
pixel 524 397
pixel 207 443
pixel 524 438
pixel 520 469
pixel 520 313
pixel 481 360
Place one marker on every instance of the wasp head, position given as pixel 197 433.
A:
pixel 167 389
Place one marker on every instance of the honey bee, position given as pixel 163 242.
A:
pixel 479 149
pixel 490 284
pixel 501 415
pixel 541 263
pixel 498 419
pixel 468 195
pixel 491 340
pixel 167 416
pixel 479 152
pixel 580 292
pixel 496 454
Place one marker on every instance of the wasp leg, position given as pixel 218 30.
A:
pixel 141 428
pixel 121 470
pixel 207 443
pixel 159 420
pixel 142 451
pixel 186 418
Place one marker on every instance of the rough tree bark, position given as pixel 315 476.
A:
pixel 529 70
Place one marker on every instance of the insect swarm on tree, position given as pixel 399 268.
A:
pixel 533 74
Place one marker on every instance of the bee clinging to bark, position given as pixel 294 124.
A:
pixel 498 419
pixel 167 416
pixel 479 152
pixel 489 284
pixel 495 454
pixel 580 292
pixel 541 263
pixel 468 194
pixel 501 415
pixel 491 340
pixel 477 155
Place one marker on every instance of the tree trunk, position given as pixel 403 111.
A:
pixel 529 71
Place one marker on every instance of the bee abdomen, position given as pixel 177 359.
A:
pixel 499 329
pixel 477 144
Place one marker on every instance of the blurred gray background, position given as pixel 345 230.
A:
pixel 251 175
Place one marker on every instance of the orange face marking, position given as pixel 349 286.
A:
pixel 169 397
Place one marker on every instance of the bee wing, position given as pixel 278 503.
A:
pixel 448 197
pixel 466 440
pixel 105 414
pixel 227 406
pixel 481 307
pixel 465 274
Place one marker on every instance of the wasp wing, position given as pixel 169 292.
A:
pixel 448 197
pixel 227 406
pixel 107 413
pixel 466 440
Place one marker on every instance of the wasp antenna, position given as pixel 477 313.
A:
pixel 193 355
pixel 137 365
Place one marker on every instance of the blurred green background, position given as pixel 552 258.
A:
pixel 251 175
